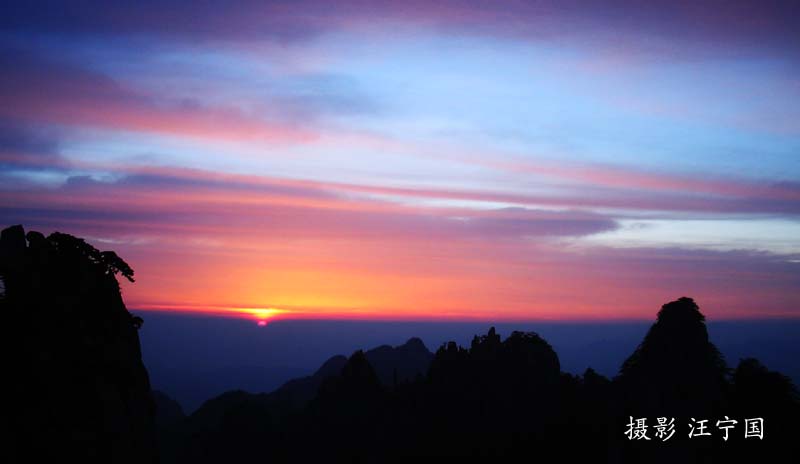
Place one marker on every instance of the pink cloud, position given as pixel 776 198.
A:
pixel 41 91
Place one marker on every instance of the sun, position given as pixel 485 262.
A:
pixel 262 315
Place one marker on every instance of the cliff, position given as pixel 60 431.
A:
pixel 78 390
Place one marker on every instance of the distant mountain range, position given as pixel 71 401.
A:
pixel 261 360
pixel 392 365
pixel 497 398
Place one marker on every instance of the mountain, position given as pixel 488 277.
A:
pixel 168 411
pixel 298 392
pixel 231 415
pixel 676 367
pixel 500 399
pixel 77 388
pixel 192 386
pixel 400 364
pixel 392 365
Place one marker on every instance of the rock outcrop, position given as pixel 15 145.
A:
pixel 79 391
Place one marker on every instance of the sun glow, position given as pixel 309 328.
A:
pixel 262 315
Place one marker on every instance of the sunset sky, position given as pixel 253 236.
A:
pixel 414 160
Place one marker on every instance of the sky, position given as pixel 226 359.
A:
pixel 449 160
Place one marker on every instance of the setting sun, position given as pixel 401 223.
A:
pixel 262 315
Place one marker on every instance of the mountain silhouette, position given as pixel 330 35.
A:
pixel 401 363
pixel 507 398
pixel 78 390
pixel 298 392
pixel 168 411
pixel 676 368
pixel 676 372
pixel 221 422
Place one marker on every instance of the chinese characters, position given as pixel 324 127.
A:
pixel 664 428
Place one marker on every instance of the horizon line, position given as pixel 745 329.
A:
pixel 265 316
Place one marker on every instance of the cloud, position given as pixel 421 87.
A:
pixel 631 178
pixel 40 90
pixel 625 200
pixel 216 204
